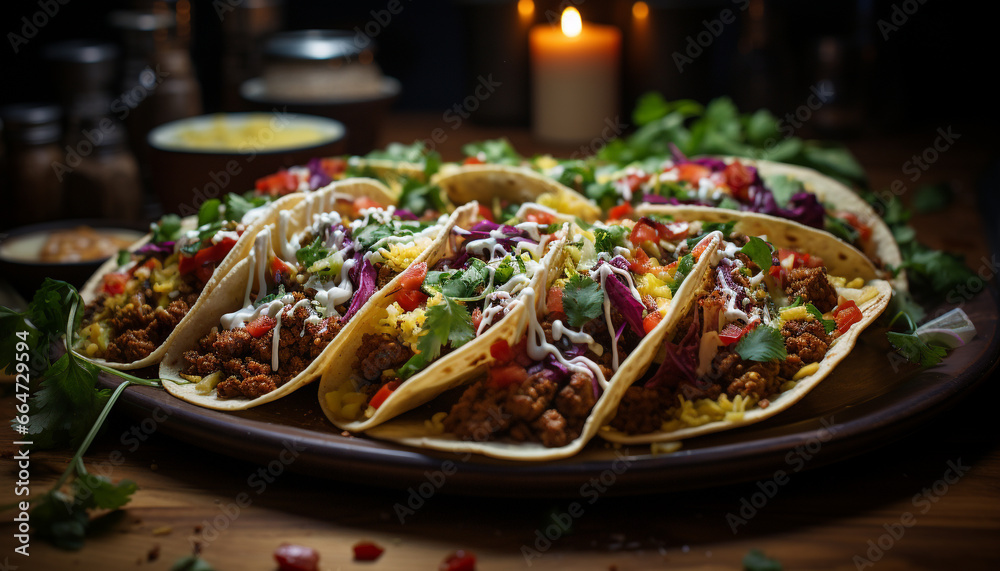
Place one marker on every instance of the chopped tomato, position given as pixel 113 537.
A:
pixel 738 178
pixel 413 276
pixel 540 217
pixel 643 231
pixel 641 263
pixel 485 213
pixel 410 299
pixel 621 211
pixel 292 557
pixel 501 351
pixel 362 202
pixel 114 283
pixel 553 300
pixel 204 273
pixel 377 400
pixel 473 161
pixel 864 230
pixel 477 318
pixel 367 550
pixel 700 247
pixel 635 180
pixel 279 183
pixel 506 375
pixel 674 230
pixel 333 167
pixel 732 332
pixel 459 561
pixel 692 172
pixel 280 267
pixel 846 315
pixel 258 327
pixel 209 255
pixel 651 321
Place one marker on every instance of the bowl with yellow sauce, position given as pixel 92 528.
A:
pixel 199 158
pixel 67 250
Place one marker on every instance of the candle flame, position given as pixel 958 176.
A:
pixel 572 24
pixel 640 10
pixel 525 7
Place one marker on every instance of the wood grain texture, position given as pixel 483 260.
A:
pixel 821 518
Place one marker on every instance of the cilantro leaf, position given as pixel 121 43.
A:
pixel 505 271
pixel 606 239
pixel 237 206
pixel 466 283
pixel 582 300
pixel 684 267
pixel 759 252
pixel 66 403
pixel 191 563
pixel 209 212
pixel 783 187
pixel 447 323
pixel 762 344
pixel 840 228
pixel 915 349
pixel 309 255
pixel 280 293
pixel 708 227
pixel 168 229
pixel 59 519
pixel 828 324
pixel 493 151
pixel 419 198
pixel 124 257
pixel 755 560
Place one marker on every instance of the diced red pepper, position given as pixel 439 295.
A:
pixel 485 213
pixel 459 561
pixel 651 321
pixel 362 202
pixel 292 557
pixel 260 326
pixel 209 255
pixel 738 178
pixel 846 315
pixel 410 299
pixel 114 283
pixel 692 172
pixel 553 300
pixel 620 212
pixel 377 400
pixel 540 217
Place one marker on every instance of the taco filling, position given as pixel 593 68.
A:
pixel 763 320
pixel 439 309
pixel 155 286
pixel 338 265
pixel 606 295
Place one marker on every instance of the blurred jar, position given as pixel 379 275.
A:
pixel 32 190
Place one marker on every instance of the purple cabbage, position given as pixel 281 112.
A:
pixel 317 177
pixel 404 214
pixel 681 362
pixel 154 248
pixel 363 277
pixel 621 298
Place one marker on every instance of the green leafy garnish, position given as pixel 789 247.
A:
pixel 759 252
pixel 607 239
pixel 124 257
pixel 755 560
pixel 828 324
pixel 840 228
pixel 167 229
pixel 445 323
pixel 684 267
pixel 314 252
pixel 419 197
pixel 191 563
pixel 464 284
pixel 783 187
pixel 915 349
pixel 278 294
pixel 582 300
pixel 237 206
pixel 209 212
pixel 708 227
pixel 762 344
pixel 493 151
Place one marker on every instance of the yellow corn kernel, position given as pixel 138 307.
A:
pixel 788 385
pixel 734 416
pixel 436 423
pixel 333 402
pixel 855 283
pixel 866 294
pixel 350 411
pixel 92 349
pixel 806 371
pixel 354 398
pixel 798 313
pixel 836 281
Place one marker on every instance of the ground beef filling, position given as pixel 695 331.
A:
pixel 245 361
pixel 137 327
pixel 377 359
pixel 805 342
pixel 813 286
pixel 542 408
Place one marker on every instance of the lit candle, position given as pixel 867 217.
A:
pixel 575 79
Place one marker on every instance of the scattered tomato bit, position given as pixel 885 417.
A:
pixel 367 551
pixel 461 560
pixel 291 557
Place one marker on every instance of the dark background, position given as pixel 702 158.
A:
pixel 937 68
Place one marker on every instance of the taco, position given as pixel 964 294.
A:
pixel 136 303
pixel 785 191
pixel 509 185
pixel 435 331
pixel 779 307
pixel 597 323
pixel 275 320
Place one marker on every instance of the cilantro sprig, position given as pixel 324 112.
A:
pixel 762 344
pixel 63 405
pixel 447 323
pixel 582 300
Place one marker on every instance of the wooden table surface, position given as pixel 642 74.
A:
pixel 930 500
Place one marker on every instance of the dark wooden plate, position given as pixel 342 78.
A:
pixel 869 400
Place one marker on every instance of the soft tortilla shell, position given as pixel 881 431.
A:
pixel 228 296
pixel 514 184
pixel 411 431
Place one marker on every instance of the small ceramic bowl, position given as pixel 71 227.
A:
pixel 203 157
